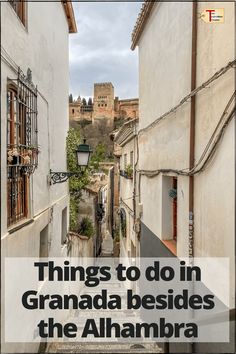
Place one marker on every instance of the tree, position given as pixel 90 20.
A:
pixel 90 102
pixel 99 155
pixel 76 184
pixel 71 98
pixel 84 102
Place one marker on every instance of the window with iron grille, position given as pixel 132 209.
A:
pixel 19 7
pixel 22 144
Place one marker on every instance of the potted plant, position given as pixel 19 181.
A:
pixel 129 171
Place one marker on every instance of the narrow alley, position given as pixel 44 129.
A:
pixel 116 346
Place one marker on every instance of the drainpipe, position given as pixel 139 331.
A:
pixel 192 127
pixel 192 138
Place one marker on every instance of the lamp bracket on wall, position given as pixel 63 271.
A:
pixel 61 177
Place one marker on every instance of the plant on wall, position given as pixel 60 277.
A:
pixel 98 156
pixel 75 184
pixel 86 227
pixel 129 171
pixel 117 234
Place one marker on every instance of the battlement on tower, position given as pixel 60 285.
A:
pixel 104 84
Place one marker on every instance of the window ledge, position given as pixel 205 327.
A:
pixel 20 225
pixel 171 245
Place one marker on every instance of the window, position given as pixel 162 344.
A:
pixel 131 158
pixel 19 7
pixel 43 246
pixel 169 212
pixel 125 160
pixel 63 225
pixel 22 145
pixel 123 223
pixel 73 111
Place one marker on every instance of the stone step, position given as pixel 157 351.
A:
pixel 104 348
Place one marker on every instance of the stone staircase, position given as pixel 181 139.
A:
pixel 103 348
pixel 116 345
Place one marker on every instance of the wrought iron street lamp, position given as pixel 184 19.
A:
pixel 83 153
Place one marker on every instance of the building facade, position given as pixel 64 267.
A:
pixel 93 205
pixel 125 150
pixel 34 125
pixel 186 133
pixel 104 106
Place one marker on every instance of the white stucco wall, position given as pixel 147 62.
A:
pixel 126 199
pixel 163 44
pixel 164 79
pixel 41 46
pixel 215 187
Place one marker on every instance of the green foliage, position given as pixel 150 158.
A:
pixel 84 102
pixel 98 156
pixel 90 102
pixel 71 98
pixel 129 171
pixel 75 183
pixel 116 234
pixel 74 208
pixel 86 227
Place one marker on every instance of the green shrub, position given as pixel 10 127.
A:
pixel 76 184
pixel 86 227
pixel 129 171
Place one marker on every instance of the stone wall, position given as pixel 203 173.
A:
pixel 103 104
pixel 80 246
pixel 126 108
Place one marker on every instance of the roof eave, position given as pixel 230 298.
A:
pixel 69 12
pixel 141 22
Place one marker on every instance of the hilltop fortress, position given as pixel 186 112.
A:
pixel 104 106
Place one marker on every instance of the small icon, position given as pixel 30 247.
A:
pixel 213 15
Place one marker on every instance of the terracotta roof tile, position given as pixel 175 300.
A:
pixel 141 21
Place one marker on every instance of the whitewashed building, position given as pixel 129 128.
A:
pixel 125 148
pixel 186 141
pixel 34 125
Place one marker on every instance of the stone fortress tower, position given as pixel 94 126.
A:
pixel 103 101
pixel 105 106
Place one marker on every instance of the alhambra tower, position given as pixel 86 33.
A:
pixel 103 103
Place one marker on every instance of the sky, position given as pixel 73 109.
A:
pixel 100 51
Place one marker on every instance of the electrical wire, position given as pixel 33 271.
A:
pixel 218 74
pixel 209 150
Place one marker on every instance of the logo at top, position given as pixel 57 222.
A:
pixel 213 15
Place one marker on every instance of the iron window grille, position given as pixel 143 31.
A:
pixel 22 143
